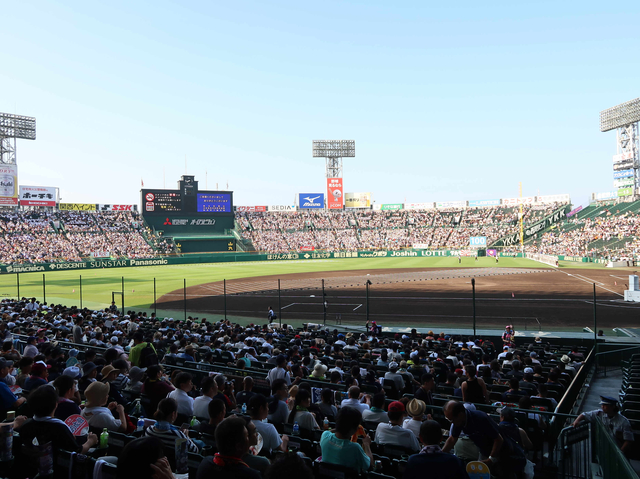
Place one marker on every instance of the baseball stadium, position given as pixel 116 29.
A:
pixel 193 332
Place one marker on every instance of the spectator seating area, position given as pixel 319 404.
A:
pixel 316 360
pixel 630 392
pixel 35 237
pixel 607 231
pixel 280 232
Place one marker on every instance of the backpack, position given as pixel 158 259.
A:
pixel 148 356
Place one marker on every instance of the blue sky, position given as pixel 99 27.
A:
pixel 454 101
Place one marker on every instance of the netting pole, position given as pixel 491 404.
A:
pixel 367 305
pixel 473 288
pixel 44 289
pixel 123 296
pixel 279 305
pixel 324 305
pixel 184 290
pixel 224 286
pixel 155 304
pixel 80 291
pixel 18 284
pixel 595 324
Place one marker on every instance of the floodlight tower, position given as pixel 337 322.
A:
pixel 334 151
pixel 624 118
pixel 12 127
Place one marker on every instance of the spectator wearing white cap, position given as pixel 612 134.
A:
pixel 393 375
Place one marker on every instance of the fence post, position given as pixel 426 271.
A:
pixel 595 326
pixel 155 304
pixel 324 305
pixel 473 288
pixel 123 296
pixel 18 283
pixel 184 289
pixel 80 291
pixel 224 285
pixel 44 289
pixel 279 305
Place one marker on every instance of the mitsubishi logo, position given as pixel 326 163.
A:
pixel 310 199
pixel 167 222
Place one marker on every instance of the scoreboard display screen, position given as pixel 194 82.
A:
pixel 214 203
pixel 187 200
pixel 160 201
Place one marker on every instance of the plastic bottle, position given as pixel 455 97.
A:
pixel 326 423
pixel 194 422
pixel 137 409
pixel 140 425
pixel 296 428
pixel 104 439
pixel 244 408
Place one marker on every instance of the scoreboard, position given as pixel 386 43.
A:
pixel 186 200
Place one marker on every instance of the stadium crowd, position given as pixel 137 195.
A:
pixel 281 232
pixel 33 237
pixel 206 382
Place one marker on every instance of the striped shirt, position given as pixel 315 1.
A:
pixel 170 436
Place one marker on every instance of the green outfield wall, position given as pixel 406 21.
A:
pixel 232 258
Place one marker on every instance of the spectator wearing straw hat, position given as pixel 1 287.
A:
pixel 98 413
pixel 319 371
pixel 416 409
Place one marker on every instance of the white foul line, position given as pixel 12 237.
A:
pixel 285 307
pixel 590 282
pixel 357 307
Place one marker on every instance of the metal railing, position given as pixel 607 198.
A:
pixel 606 361
pixel 573 452
pixel 609 456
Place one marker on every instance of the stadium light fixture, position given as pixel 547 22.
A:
pixel 624 118
pixel 14 127
pixel 620 115
pixel 334 148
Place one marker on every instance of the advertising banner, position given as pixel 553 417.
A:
pixel 419 206
pixel 622 174
pixel 8 185
pixel 574 211
pixel 622 182
pixel 527 200
pixel 391 207
pixel 77 207
pixel 281 208
pixel 251 208
pixel 334 193
pixel 623 165
pixel 37 196
pixel 478 241
pixel 451 204
pixel 553 199
pixel 555 217
pixel 483 203
pixel 623 156
pixel 420 246
pixel 609 195
pixel 311 201
pixel 625 192
pixel 102 207
pixel 357 200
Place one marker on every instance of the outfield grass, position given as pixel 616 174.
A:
pixel 97 285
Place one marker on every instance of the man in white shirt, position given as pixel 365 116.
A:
pixel 279 372
pixel 393 434
pixel 184 384
pixel 209 389
pixel 393 375
pixel 338 367
pixel 354 400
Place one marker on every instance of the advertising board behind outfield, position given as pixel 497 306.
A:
pixel 38 195
pixel 357 200
pixel 334 193
pixel 8 185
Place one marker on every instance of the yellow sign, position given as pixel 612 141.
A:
pixel 78 207
pixel 357 200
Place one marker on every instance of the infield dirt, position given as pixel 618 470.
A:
pixel 549 299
